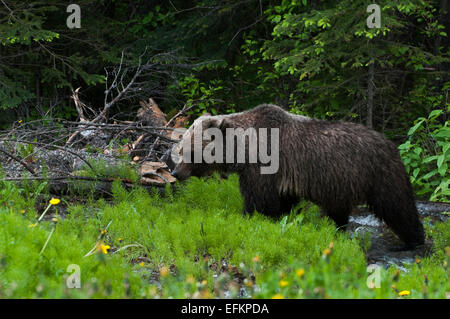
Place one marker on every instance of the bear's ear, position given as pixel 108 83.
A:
pixel 225 123
pixel 211 121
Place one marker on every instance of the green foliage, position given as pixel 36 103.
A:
pixel 27 39
pixel 182 239
pixel 200 94
pixel 25 150
pixel 328 50
pixel 101 169
pixel 426 155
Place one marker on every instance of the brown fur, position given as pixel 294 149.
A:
pixel 336 165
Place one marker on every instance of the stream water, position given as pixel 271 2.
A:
pixel 381 248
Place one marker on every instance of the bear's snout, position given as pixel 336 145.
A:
pixel 174 174
pixel 181 173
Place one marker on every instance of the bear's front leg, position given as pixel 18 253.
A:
pixel 269 206
pixel 259 194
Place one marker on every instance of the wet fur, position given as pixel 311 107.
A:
pixel 336 165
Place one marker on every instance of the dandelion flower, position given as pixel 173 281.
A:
pixel 142 264
pixel 248 283
pixel 277 296
pixel 22 211
pixel 104 248
pixel 327 252
pixel 103 231
pixel 55 201
pixel 205 294
pixel 404 293
pixel 190 279
pixel 164 272
pixel 300 272
pixel 284 283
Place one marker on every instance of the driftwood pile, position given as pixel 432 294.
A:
pixel 61 152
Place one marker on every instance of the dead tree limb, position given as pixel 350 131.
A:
pixel 181 112
pixel 79 105
pixel 53 146
pixel 82 178
pixel 117 85
pixel 20 160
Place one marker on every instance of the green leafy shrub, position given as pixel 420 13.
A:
pixel 426 155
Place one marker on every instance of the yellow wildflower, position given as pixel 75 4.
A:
pixel 190 279
pixel 284 283
pixel 22 211
pixel 256 259
pixel 204 282
pixel 103 231
pixel 206 294
pixel 248 283
pixel 164 272
pixel 104 248
pixel 142 264
pixel 33 225
pixel 404 293
pixel 20 121
pixel 55 201
pixel 300 272
pixel 327 252
pixel 277 296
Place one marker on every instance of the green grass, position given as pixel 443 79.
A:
pixel 194 243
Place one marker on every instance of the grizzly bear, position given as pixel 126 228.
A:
pixel 336 165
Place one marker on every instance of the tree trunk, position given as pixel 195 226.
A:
pixel 370 94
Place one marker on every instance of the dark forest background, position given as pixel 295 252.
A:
pixel 316 58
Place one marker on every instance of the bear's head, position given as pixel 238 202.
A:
pixel 227 143
pixel 200 149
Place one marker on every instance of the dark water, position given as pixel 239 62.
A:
pixel 381 245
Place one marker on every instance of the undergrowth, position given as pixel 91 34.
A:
pixel 193 242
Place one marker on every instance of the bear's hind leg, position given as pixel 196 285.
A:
pixel 404 222
pixel 395 205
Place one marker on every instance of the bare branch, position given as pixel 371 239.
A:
pixel 21 161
